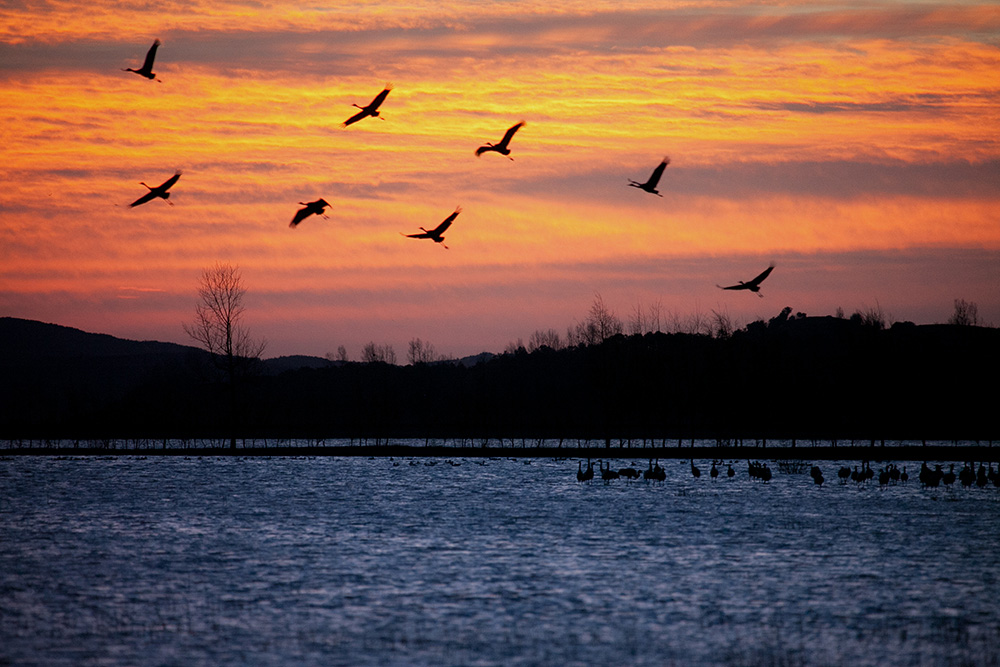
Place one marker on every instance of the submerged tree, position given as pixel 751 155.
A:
pixel 219 328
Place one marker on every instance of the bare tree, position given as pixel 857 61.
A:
pixel 697 323
pixel 653 316
pixel 421 352
pixel 540 339
pixel 637 322
pixel 722 324
pixel 515 346
pixel 600 325
pixel 966 314
pixel 646 319
pixel 340 356
pixel 871 316
pixel 378 352
pixel 219 328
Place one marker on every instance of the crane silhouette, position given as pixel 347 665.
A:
pixel 752 285
pixel 159 191
pixel 371 109
pixel 437 233
pixel 654 179
pixel 501 147
pixel 147 67
pixel 311 208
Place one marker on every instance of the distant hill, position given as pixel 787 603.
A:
pixel 27 342
pixel 295 362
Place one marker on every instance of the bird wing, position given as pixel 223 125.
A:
pixel 377 102
pixel 510 133
pixel 169 182
pixel 446 223
pixel 300 215
pixel 484 149
pixel 654 178
pixel 150 56
pixel 764 274
pixel 356 117
pixel 143 199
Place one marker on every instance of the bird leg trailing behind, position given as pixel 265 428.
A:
pixel 311 208
pixel 501 147
pixel 371 109
pixel 159 191
pixel 752 285
pixel 436 234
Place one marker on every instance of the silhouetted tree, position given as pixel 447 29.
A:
pixel 218 327
pixel 966 314
pixel 378 352
pixel 540 339
pixel 871 317
pixel 646 319
pixel 421 352
pixel 722 324
pixel 600 325
pixel 515 346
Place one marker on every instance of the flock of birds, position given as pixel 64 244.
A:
pixel 372 110
pixel 886 476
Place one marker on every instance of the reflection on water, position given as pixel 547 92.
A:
pixel 128 560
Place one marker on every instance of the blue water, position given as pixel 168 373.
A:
pixel 123 560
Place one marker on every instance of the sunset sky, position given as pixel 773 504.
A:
pixel 854 144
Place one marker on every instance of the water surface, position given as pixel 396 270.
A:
pixel 350 561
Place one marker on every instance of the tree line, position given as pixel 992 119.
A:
pixel 790 377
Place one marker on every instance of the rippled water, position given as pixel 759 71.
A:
pixel 275 561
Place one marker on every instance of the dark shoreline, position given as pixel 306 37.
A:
pixel 976 453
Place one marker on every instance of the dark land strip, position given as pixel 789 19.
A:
pixel 752 452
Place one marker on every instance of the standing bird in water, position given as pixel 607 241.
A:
pixel 752 285
pixel 654 179
pixel 311 208
pixel 501 147
pixel 147 67
pixel 436 234
pixel 371 109
pixel 159 191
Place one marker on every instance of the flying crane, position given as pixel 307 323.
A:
pixel 654 178
pixel 371 109
pixel 752 285
pixel 501 147
pixel 311 208
pixel 147 67
pixel 159 191
pixel 437 234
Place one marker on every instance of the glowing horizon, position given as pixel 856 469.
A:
pixel 816 136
